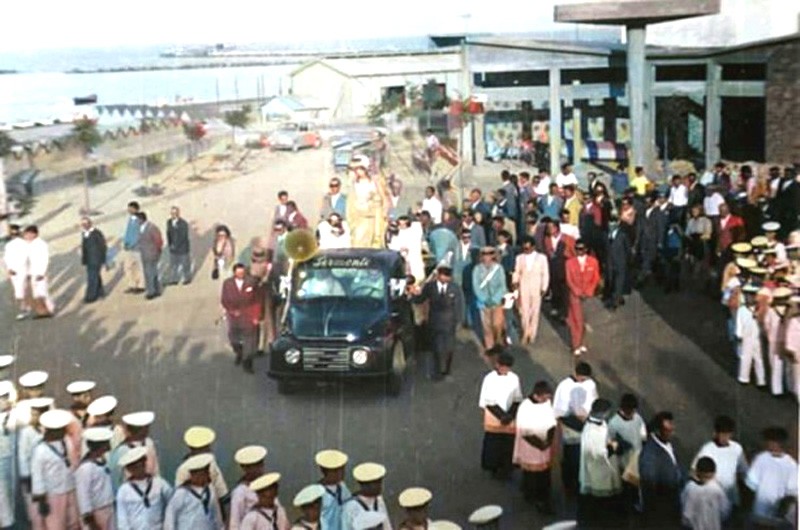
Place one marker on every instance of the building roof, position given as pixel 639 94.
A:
pixel 448 60
pixel 529 44
pixel 292 103
pixel 634 12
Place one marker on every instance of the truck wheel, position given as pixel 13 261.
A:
pixel 285 387
pixel 394 384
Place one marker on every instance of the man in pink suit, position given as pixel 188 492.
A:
pixel 532 278
pixel 583 276
pixel 241 299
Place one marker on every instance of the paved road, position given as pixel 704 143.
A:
pixel 169 356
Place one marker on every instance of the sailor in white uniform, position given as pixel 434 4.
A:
pixel 369 497
pixel 142 498
pixel 194 505
pixel 93 482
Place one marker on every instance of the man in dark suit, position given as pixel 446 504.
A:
pixel 93 257
pixel 652 231
pixel 241 300
pixel 446 305
pixel 178 243
pixel 558 248
pixel 150 245
pixel 617 271
pixel 660 476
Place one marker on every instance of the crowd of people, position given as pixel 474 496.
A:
pixel 81 466
pixel 623 472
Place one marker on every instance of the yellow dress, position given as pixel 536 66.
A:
pixel 366 213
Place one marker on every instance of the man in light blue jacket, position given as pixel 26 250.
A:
pixel 131 260
pixel 489 284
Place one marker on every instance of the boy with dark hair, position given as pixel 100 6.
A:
pixel 728 456
pixel 705 505
pixel 773 479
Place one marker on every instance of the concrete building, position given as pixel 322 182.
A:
pixel 286 108
pixel 348 86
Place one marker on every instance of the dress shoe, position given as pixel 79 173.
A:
pixel 248 366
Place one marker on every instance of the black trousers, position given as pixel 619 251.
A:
pixel 94 283
pixel 244 340
pixel 444 342
pixel 536 485
pixel 570 467
pixel 559 295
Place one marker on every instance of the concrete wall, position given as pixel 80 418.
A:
pixel 783 105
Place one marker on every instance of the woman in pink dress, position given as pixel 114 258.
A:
pixel 533 445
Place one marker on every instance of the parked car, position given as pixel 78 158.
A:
pixel 295 136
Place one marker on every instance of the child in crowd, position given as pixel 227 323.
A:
pixel 705 505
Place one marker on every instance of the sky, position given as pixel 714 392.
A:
pixel 49 24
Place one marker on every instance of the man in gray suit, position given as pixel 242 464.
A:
pixel 150 245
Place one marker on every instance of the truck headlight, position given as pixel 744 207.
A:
pixel 360 356
pixel 292 356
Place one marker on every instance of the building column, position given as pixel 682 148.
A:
pixel 555 120
pixel 637 89
pixel 713 113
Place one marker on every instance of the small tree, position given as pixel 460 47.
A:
pixel 194 133
pixel 238 119
pixel 85 133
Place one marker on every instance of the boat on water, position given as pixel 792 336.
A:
pixel 91 99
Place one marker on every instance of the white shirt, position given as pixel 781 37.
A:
pixel 217 480
pixel 15 256
pixel 441 287
pixel 678 196
pixel 633 431
pixel 771 478
pixel 328 240
pixel 239 283
pixel 38 257
pixel 131 511
pixel 543 188
pixel 500 390
pixel 571 230
pixel 705 506
pixel 193 508
pixel 432 141
pixel 433 206
pixel 574 399
pixel 582 261
pixel 334 198
pixel 242 500
pixel 29 436
pixel 352 508
pixel 93 486
pixel 566 180
pixel 730 463
pixel 50 469
pixel 711 204
pixel 263 518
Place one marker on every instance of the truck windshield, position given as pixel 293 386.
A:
pixel 340 283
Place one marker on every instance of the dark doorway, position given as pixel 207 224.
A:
pixel 742 134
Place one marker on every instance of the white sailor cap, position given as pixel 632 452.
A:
pixel 486 514
pixel 414 497
pixel 102 406
pixel 198 462
pixel 265 481
pixel 308 495
pixel 33 379
pixel 771 226
pixel 6 361
pixel 41 402
pixel 132 456
pixel 98 434
pixel 443 525
pixel 139 419
pixel 330 459
pixel 367 520
pixel 252 454
pixel 6 388
pixel 369 472
pixel 562 525
pixel 56 419
pixel 198 436
pixel 80 387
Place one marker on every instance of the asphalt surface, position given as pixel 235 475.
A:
pixel 169 355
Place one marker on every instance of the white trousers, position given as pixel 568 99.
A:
pixel 776 372
pixel 752 359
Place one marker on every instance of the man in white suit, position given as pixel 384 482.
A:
pixel 531 278
pixel 15 258
pixel 38 263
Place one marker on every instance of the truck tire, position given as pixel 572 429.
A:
pixel 394 383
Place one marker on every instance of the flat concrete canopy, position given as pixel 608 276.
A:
pixel 635 12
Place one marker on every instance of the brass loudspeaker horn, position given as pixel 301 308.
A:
pixel 301 245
